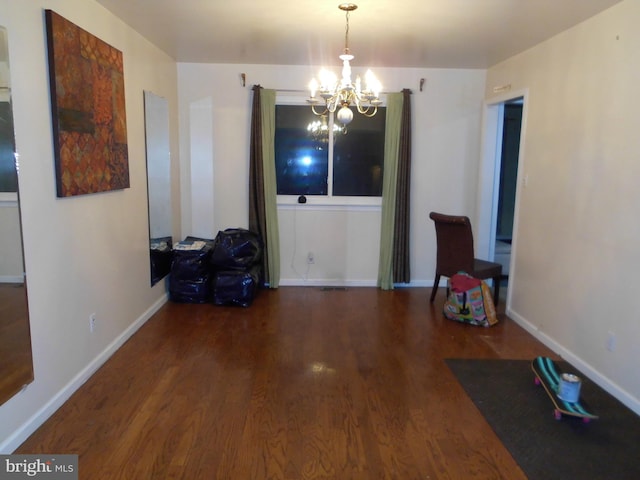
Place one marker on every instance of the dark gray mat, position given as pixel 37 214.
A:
pixel 521 414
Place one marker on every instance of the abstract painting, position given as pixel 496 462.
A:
pixel 88 110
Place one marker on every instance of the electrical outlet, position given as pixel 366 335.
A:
pixel 310 258
pixel 611 341
pixel 92 322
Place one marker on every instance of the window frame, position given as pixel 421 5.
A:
pixel 330 200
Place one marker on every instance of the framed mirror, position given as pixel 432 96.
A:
pixel 16 365
pixel 156 114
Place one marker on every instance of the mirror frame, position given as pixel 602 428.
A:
pixel 16 357
pixel 158 154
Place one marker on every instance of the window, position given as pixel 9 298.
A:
pixel 314 157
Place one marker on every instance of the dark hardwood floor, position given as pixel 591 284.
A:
pixel 306 383
pixel 16 369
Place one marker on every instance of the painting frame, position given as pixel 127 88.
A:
pixel 86 80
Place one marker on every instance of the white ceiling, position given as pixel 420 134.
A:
pixel 405 33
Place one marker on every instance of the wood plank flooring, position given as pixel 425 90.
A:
pixel 307 383
pixel 16 368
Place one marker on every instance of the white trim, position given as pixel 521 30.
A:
pixel 297 282
pixel 12 278
pixel 486 214
pixel 301 97
pixel 11 443
pixel 605 383
pixel 320 202
pixel 8 199
pixel 497 159
pixel 288 97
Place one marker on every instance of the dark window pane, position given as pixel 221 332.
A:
pixel 358 156
pixel 301 159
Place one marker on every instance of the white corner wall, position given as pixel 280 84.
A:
pixel 215 114
pixel 578 237
pixel 84 254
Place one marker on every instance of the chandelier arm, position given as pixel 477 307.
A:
pixel 369 115
pixel 365 110
pixel 324 112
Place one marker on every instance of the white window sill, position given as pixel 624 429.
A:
pixel 323 202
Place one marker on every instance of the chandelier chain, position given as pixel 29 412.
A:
pixel 346 35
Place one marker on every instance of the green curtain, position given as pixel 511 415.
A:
pixel 389 187
pixel 263 213
pixel 268 107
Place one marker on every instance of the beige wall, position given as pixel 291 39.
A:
pixel 345 242
pixel 85 254
pixel 578 233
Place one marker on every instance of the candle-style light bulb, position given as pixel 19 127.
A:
pixel 313 86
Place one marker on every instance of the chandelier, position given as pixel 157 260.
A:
pixel 319 129
pixel 334 94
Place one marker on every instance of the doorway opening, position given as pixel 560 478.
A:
pixel 508 181
pixel 503 131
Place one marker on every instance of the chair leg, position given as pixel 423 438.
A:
pixel 434 290
pixel 496 290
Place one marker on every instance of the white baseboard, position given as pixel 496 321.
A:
pixel 11 278
pixel 611 387
pixel 297 282
pixel 23 432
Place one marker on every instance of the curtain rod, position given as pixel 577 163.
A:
pixel 280 90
